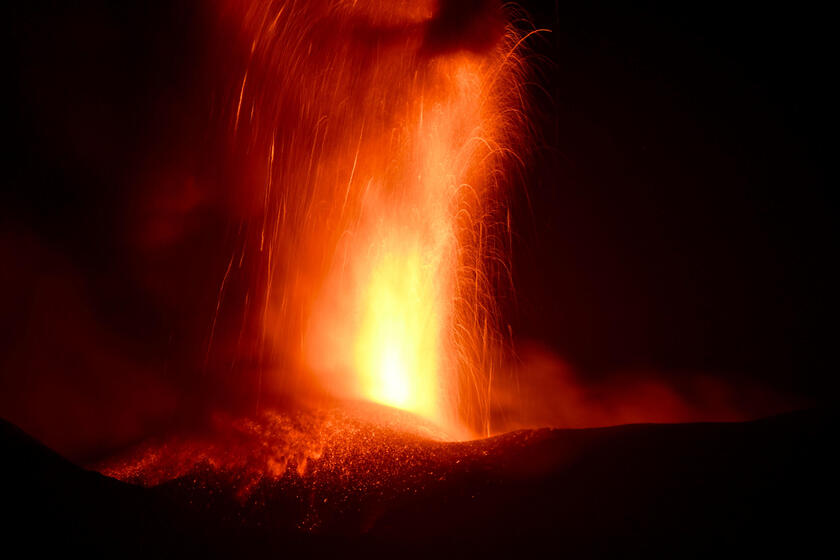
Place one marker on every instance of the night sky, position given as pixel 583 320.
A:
pixel 679 216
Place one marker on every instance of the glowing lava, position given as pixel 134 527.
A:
pixel 407 311
pixel 398 347
pixel 379 135
pixel 402 289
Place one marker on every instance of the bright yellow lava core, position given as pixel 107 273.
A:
pixel 397 350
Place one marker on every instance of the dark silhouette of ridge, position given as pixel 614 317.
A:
pixel 662 489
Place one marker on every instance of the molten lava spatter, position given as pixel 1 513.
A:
pixel 407 308
pixel 378 138
pixel 316 470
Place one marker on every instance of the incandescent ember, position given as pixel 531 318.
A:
pixel 314 469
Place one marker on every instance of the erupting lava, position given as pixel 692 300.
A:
pixel 381 131
pixel 409 286
pixel 397 349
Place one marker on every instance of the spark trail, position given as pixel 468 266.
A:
pixel 380 138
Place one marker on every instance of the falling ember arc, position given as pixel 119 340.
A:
pixel 382 136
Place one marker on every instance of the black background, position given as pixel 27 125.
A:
pixel 679 216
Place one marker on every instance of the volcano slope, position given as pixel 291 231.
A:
pixel 371 481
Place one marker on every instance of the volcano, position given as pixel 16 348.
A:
pixel 432 278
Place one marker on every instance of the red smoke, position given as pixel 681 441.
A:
pixel 547 391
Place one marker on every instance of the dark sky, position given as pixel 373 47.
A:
pixel 674 216
pixel 680 211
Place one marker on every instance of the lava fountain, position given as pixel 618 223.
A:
pixel 380 136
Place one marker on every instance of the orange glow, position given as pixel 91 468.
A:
pixel 379 138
